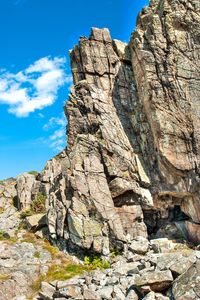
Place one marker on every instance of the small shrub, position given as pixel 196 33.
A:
pixel 1 210
pixel 95 262
pixel 33 173
pixel 4 236
pixel 37 254
pixel 26 213
pixel 38 204
pixel 54 251
pixel 116 252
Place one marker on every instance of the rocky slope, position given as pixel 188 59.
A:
pixel 131 169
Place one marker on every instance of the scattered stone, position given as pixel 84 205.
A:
pixel 157 280
pixel 139 245
pixel 47 291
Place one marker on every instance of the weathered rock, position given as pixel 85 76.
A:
pixel 126 268
pixel 177 262
pixel 133 133
pixel 106 292
pixel 187 286
pixel 36 221
pixel 164 245
pixel 27 188
pixel 155 296
pixel 157 280
pixel 47 291
pixel 88 295
pixel 104 173
pixel 9 220
pixel 133 136
pixel 193 231
pixel 131 295
pixel 139 245
pixel 167 81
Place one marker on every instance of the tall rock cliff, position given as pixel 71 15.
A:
pixel 131 167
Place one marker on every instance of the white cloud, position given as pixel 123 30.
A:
pixel 57 127
pixel 35 87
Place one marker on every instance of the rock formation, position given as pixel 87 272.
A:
pixel 131 169
pixel 133 135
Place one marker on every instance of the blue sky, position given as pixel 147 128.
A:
pixel 35 77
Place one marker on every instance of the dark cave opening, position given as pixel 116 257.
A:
pixel 171 226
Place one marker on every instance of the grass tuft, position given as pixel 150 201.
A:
pixel 37 254
pixel 95 262
pixel 4 277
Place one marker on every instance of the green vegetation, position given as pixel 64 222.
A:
pixel 26 213
pixel 51 249
pixel 5 237
pixel 61 272
pixel 37 254
pixel 33 173
pixel 67 270
pixel 116 252
pixel 4 277
pixel 37 206
pixel 95 262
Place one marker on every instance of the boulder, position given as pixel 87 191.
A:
pixel 187 286
pixel 47 291
pixel 36 222
pixel 157 280
pixel 139 245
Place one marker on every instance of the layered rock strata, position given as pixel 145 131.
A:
pixel 131 167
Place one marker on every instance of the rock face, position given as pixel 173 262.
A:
pixel 131 168
pixel 131 171
pixel 133 135
pixel 165 55
pixel 101 195
pixel 9 215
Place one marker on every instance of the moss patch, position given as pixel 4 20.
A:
pixel 5 237
pixel 61 272
pixel 37 254
pixel 4 277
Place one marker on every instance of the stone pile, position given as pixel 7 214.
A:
pixel 21 264
pixel 162 271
